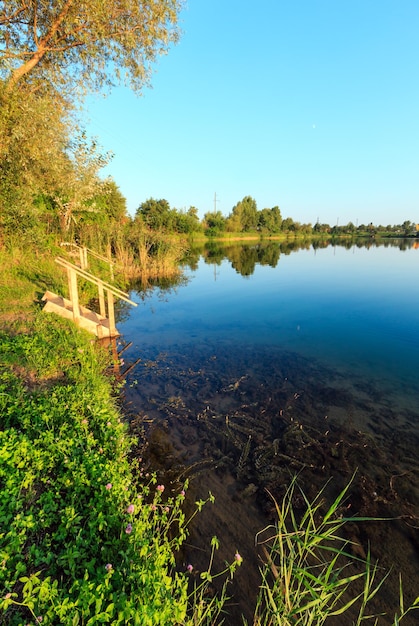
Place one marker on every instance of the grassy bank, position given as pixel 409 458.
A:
pixel 86 537
pixel 79 529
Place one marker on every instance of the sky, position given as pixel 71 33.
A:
pixel 309 105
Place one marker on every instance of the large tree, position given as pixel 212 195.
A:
pixel 246 214
pixel 84 43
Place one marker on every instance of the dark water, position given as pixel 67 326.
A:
pixel 269 360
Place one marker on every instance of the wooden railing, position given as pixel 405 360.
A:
pixel 84 260
pixel 73 271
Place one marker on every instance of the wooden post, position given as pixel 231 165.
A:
pixel 74 296
pixel 84 262
pixel 102 307
pixel 111 314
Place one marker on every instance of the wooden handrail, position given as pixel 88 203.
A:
pixel 83 256
pixel 95 280
pixel 72 272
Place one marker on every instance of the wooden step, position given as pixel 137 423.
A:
pixel 89 320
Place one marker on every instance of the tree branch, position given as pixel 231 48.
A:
pixel 7 19
pixel 42 47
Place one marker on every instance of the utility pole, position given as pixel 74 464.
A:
pixel 215 202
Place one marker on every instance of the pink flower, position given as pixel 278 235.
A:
pixel 8 595
pixel 166 509
pixel 128 529
pixel 108 486
pixel 182 493
pixel 238 558
pixel 153 507
pixel 189 568
pixel 108 567
pixel 130 509
pixel 160 488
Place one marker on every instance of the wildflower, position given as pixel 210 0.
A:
pixel 182 493
pixel 108 424
pixel 108 486
pixel 108 567
pixel 160 488
pixel 153 507
pixel 39 618
pixel 238 558
pixel 189 568
pixel 84 421
pixel 128 529
pixel 130 509
pixel 8 595
pixel 166 509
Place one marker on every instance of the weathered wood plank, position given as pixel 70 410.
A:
pixel 89 320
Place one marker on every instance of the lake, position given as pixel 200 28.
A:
pixel 271 359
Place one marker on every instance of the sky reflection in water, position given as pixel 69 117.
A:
pixel 354 310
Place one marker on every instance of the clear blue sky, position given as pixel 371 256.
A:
pixel 311 105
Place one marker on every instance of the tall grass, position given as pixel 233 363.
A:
pixel 310 574
pixel 139 253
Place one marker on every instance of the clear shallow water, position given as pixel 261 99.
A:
pixel 355 310
pixel 269 361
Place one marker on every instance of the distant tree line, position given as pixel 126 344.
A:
pixel 245 217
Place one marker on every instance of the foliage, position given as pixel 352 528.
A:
pixel 155 214
pixel 34 134
pixel 51 53
pixel 86 538
pixel 245 215
pixel 309 572
pixel 270 220
pixel 84 45
pixel 215 222
pixel 49 173
pixel 158 216
pixel 111 204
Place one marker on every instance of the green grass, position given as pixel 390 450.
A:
pixel 61 447
pixel 310 574
pixel 84 537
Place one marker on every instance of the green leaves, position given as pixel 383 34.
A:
pixel 66 494
pixel 309 573
pixel 88 45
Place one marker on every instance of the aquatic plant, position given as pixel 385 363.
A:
pixel 310 573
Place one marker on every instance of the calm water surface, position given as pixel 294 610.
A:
pixel 267 361
pixel 355 310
